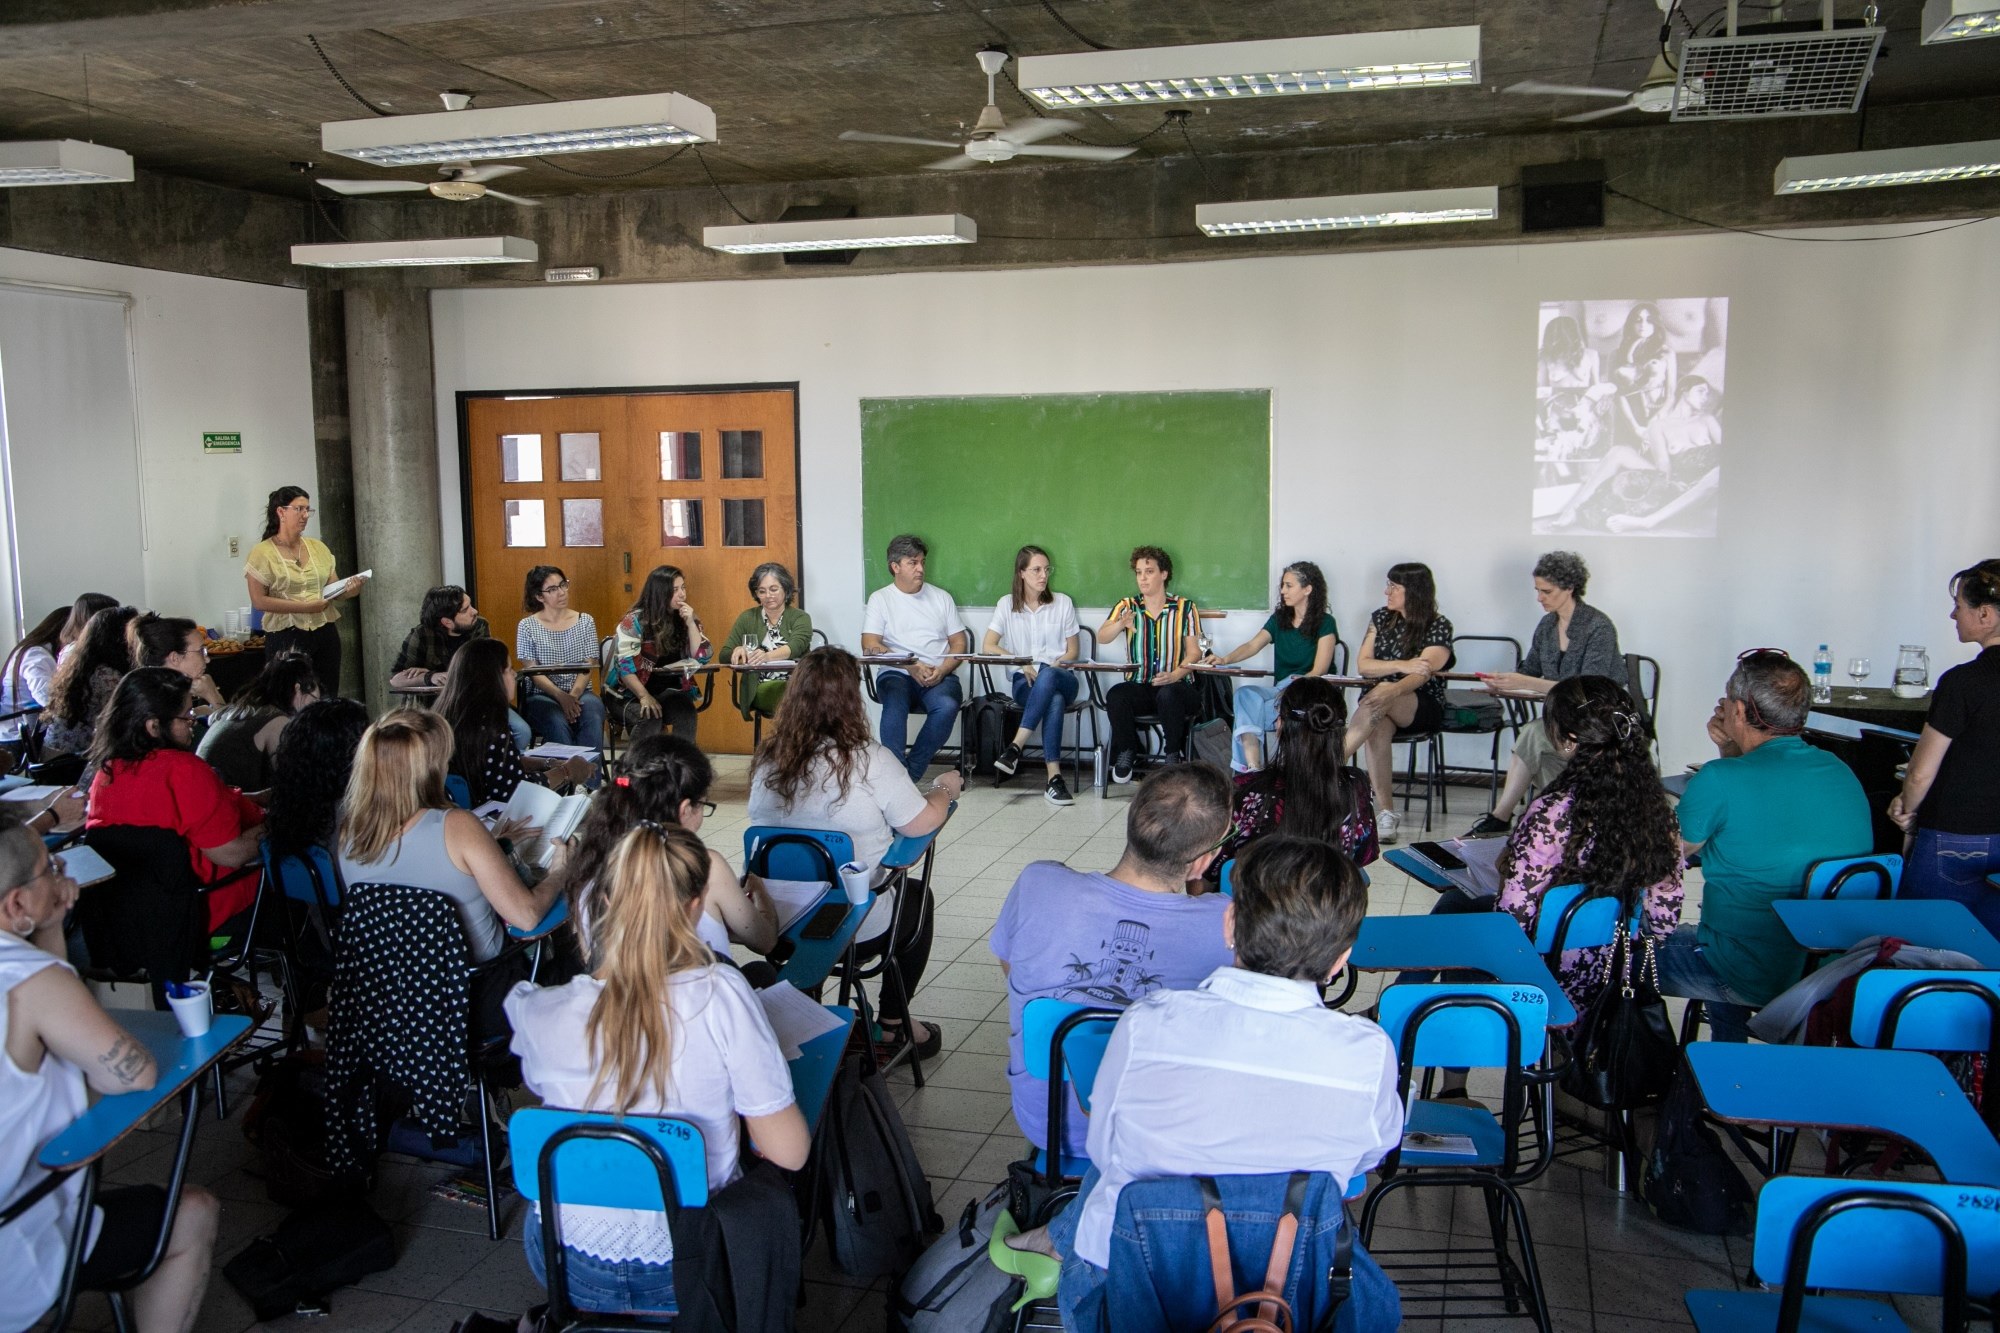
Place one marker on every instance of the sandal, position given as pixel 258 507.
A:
pixel 894 1039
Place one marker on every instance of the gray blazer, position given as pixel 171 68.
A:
pixel 1593 648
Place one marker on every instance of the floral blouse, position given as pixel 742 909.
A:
pixel 1537 853
pixel 1396 640
pixel 1258 810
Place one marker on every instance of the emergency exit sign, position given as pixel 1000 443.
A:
pixel 222 441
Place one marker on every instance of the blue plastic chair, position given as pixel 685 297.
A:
pixel 1855 877
pixel 1063 1044
pixel 458 790
pixel 1473 1026
pixel 1228 878
pixel 596 1153
pixel 1884 1237
pixel 1569 919
pixel 796 853
pixel 1921 1010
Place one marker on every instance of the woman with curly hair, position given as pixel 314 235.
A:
pixel 1308 791
pixel 666 781
pixel 314 758
pixel 1603 823
pixel 85 679
pixel 820 768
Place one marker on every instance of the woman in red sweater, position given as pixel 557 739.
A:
pixel 149 776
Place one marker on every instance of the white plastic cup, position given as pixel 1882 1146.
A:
pixel 858 881
pixel 191 1006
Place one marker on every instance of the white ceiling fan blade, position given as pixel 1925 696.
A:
pixel 1035 130
pixel 862 136
pixel 522 200
pixel 481 174
pixel 372 187
pixel 1600 113
pixel 1565 90
pixel 958 163
pixel 1086 152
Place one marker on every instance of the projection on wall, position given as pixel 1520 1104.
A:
pixel 1628 417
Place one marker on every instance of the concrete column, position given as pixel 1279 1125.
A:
pixel 394 430
pixel 333 491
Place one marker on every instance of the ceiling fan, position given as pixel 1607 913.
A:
pixel 463 182
pixel 994 138
pixel 1655 95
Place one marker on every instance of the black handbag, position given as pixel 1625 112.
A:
pixel 1624 1050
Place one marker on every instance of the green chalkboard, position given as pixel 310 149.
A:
pixel 1086 477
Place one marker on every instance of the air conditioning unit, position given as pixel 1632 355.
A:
pixel 1766 70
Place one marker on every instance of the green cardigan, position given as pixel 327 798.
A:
pixel 796 627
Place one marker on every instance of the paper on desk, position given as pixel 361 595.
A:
pixel 85 866
pixel 41 795
pixel 550 750
pixel 795 1017
pixel 793 898
pixel 1449 1145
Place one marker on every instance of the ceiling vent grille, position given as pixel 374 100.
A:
pixel 1821 72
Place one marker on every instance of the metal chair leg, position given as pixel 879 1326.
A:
pixel 486 1159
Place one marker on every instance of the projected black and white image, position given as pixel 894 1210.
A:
pixel 1628 416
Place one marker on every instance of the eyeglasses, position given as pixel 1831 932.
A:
pixel 304 511
pixel 187 717
pixel 1778 653
pixel 707 809
pixel 556 587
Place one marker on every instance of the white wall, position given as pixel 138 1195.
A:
pixel 1862 419
pixel 208 355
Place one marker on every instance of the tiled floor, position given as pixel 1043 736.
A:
pixel 1605 1263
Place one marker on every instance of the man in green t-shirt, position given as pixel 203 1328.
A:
pixel 1759 815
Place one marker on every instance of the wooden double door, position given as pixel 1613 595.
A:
pixel 607 486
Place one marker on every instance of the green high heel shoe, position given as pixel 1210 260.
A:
pixel 1038 1271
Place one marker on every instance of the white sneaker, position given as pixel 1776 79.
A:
pixel 1386 825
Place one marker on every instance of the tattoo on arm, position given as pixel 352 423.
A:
pixel 126 1060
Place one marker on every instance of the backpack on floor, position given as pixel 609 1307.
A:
pixel 953 1287
pixel 1208 744
pixel 313 1253
pixel 878 1206
pixel 1690 1182
pixel 986 729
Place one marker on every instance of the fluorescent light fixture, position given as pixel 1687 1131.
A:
pixel 1343 212
pixel 1956 20
pixel 649 120
pixel 62 162
pixel 767 238
pixel 1892 166
pixel 409 254
pixel 1412 58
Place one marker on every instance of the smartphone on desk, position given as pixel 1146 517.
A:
pixel 1438 855
pixel 824 923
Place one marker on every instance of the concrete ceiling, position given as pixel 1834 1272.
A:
pixel 232 93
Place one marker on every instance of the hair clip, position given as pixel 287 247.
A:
pixel 622 781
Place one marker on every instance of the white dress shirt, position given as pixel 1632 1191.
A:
pixel 1041 634
pixel 1248 1074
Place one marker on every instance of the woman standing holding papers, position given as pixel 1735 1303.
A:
pixel 1407 644
pixel 287 573
pixel 562 708
pixel 1164 641
pixel 771 631
pixel 1301 636
pixel 1040 625
pixel 1950 802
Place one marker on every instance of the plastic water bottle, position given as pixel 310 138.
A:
pixel 1822 676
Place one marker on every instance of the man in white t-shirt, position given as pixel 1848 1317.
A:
pixel 915 619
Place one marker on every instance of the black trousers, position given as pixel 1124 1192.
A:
pixel 322 645
pixel 1176 706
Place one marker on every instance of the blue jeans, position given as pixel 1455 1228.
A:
pixel 547 715
pixel 1043 704
pixel 1686 971
pixel 1955 866
pixel 901 695
pixel 604 1286
pixel 517 726
pixel 1256 713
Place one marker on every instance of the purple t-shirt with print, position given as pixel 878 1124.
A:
pixel 1091 939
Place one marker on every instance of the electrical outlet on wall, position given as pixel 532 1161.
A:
pixel 233 543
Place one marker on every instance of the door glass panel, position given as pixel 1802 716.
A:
pixel 743 454
pixel 521 459
pixel 680 522
pixel 680 455
pixel 526 523
pixel 742 522
pixel 583 522
pixel 580 457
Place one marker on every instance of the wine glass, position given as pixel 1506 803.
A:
pixel 1857 671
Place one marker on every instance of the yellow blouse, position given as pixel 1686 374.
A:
pixel 289 581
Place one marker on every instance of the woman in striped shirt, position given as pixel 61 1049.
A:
pixel 1164 641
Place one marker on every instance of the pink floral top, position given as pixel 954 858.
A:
pixel 1537 845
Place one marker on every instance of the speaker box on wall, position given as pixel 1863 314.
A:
pixel 1562 196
